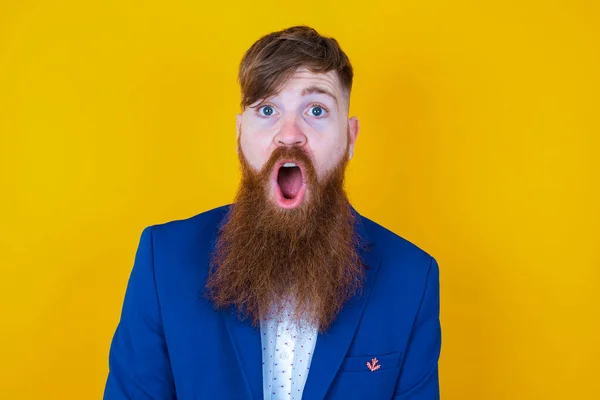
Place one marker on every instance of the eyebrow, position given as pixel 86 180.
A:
pixel 318 89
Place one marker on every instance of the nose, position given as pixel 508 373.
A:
pixel 290 134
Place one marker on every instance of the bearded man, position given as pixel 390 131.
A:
pixel 288 293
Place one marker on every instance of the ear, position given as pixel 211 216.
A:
pixel 353 129
pixel 238 123
pixel 238 129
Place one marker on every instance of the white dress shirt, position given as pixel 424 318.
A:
pixel 286 354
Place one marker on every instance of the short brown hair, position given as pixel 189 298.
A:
pixel 273 59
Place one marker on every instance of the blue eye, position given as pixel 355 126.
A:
pixel 317 111
pixel 267 110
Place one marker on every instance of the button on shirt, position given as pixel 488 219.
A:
pixel 286 353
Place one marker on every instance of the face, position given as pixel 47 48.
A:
pixel 291 209
pixel 311 113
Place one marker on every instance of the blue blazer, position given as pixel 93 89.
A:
pixel 170 342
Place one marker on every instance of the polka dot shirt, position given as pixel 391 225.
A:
pixel 286 355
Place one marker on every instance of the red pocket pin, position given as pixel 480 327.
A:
pixel 373 366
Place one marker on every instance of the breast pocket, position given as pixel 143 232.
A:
pixel 356 379
pixel 359 363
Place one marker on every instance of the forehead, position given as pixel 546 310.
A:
pixel 303 77
pixel 305 82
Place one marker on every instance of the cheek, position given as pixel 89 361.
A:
pixel 328 155
pixel 255 148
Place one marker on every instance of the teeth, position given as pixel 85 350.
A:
pixel 289 164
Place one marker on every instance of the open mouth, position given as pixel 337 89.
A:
pixel 290 185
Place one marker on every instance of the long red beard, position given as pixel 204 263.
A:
pixel 266 255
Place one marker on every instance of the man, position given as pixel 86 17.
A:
pixel 288 293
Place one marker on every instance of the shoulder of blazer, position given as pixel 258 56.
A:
pixel 202 225
pixel 392 246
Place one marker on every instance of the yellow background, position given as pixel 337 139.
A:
pixel 479 143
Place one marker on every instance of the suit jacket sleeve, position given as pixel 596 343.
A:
pixel 419 375
pixel 139 365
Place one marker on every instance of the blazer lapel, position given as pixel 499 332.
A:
pixel 245 338
pixel 332 346
pixel 246 343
